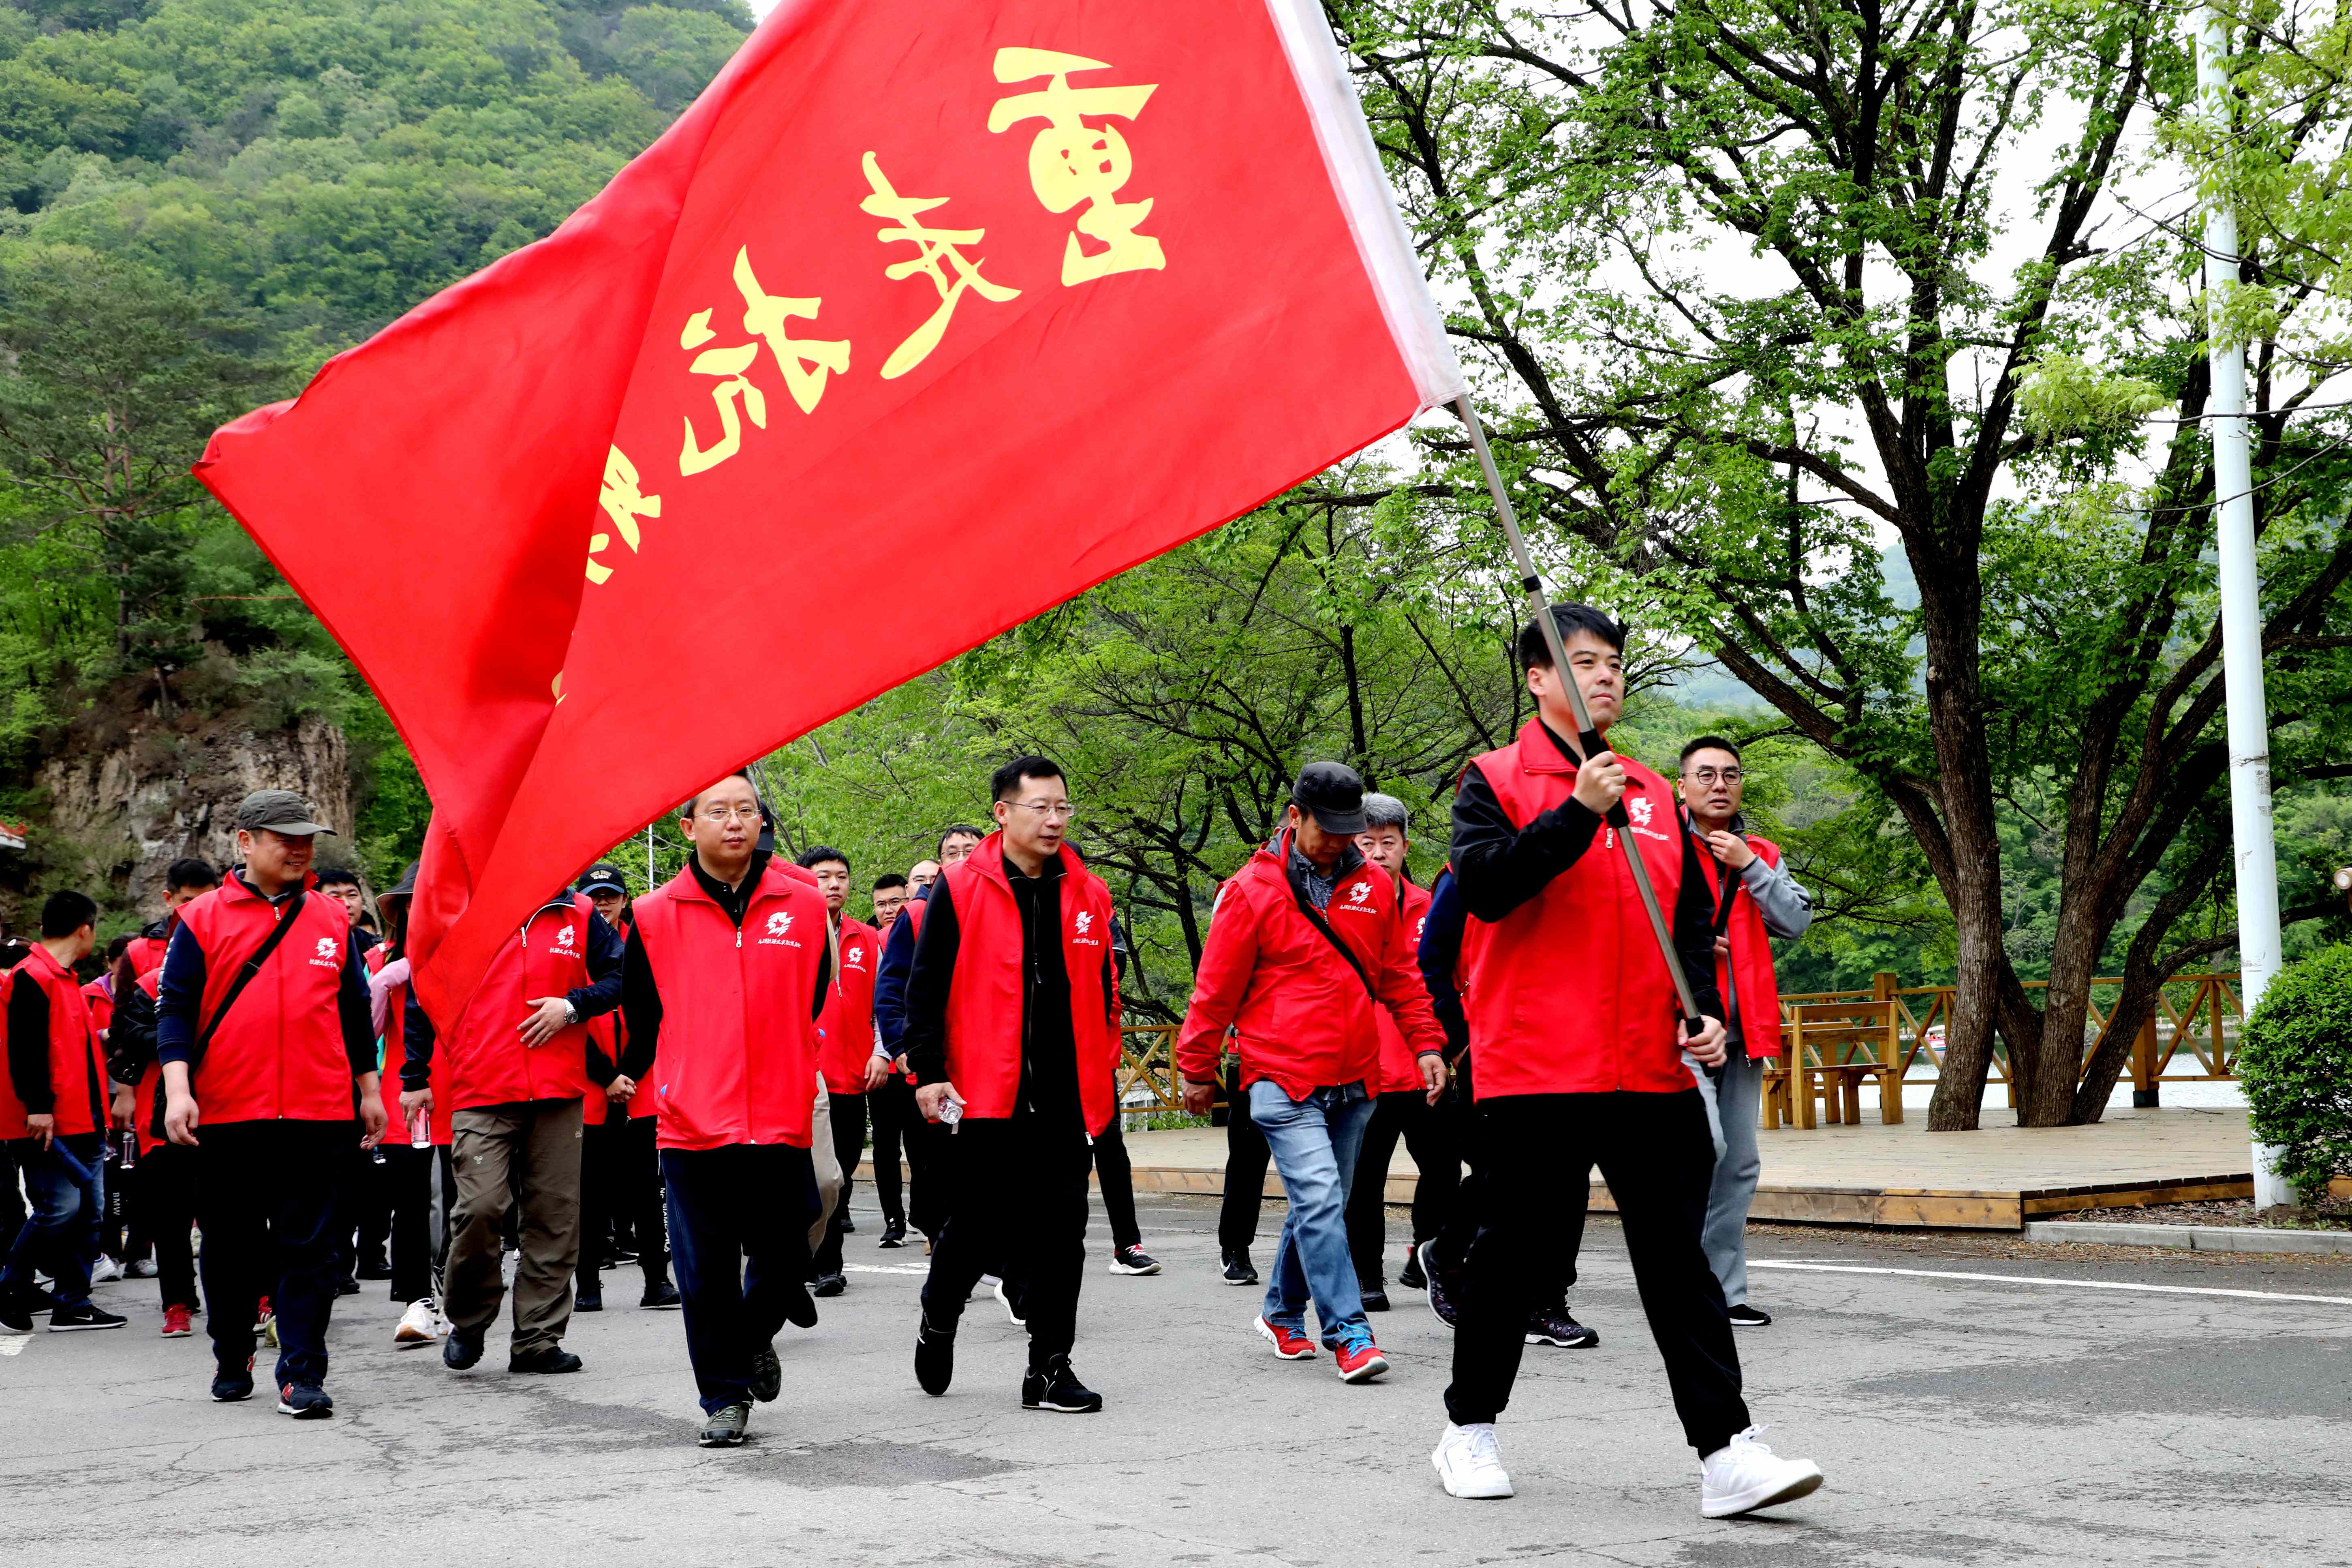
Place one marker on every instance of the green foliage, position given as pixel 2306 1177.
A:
pixel 2063 397
pixel 2296 1066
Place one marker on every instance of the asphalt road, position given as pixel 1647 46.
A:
pixel 2086 1420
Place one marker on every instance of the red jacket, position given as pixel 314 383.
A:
pixel 1749 968
pixel 488 1063
pixel 736 1062
pixel 1567 994
pixel 279 1055
pixel 1300 1012
pixel 848 1022
pixel 985 994
pixel 74 1052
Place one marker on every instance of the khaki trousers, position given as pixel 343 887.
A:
pixel 827 1165
pixel 527 1155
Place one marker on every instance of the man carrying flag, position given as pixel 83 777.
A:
pixel 1578 1061
pixel 1012 1032
pixel 726 975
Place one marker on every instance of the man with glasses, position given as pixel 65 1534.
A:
pixel 1011 1026
pixel 1766 902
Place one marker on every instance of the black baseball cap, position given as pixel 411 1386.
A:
pixel 1333 794
pixel 280 810
pixel 603 879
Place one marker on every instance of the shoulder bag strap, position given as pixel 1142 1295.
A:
pixel 252 967
pixel 1315 918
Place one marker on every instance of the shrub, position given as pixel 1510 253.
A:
pixel 2296 1066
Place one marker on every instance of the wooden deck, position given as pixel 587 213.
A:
pixel 1995 1178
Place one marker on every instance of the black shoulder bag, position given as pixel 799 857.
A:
pixel 251 967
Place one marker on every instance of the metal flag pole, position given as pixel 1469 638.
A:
pixel 2241 593
pixel 1588 738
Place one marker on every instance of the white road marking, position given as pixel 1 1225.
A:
pixel 879 1268
pixel 12 1343
pixel 2072 1284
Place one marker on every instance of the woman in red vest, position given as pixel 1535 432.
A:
pixel 1012 1029
pixel 727 971
pixel 57 1101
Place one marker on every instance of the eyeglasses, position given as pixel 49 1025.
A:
pixel 1058 808
pixel 719 815
pixel 1710 775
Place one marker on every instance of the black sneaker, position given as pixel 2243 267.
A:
pixel 1744 1316
pixel 1132 1260
pixel 1058 1388
pixel 1375 1296
pixel 463 1348
pixel 547 1357
pixel 934 1358
pixel 372 1270
pixel 893 1234
pixel 231 1384
pixel 16 1309
pixel 1237 1267
pixel 589 1296
pixel 305 1401
pixel 660 1296
pixel 799 1311
pixel 1441 1294
pixel 1411 1277
pixel 1553 1326
pixel 349 1285
pixel 65 1320
pixel 849 1222
pixel 767 1373
pixel 1009 1297
pixel 723 1427
pixel 829 1285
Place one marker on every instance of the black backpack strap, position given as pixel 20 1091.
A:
pixel 1315 918
pixel 245 974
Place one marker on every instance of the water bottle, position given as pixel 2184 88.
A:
pixel 129 1150
pixel 420 1128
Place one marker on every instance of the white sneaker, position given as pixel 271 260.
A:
pixel 105 1271
pixel 1744 1475
pixel 1006 1302
pixel 1469 1463
pixel 144 1269
pixel 420 1325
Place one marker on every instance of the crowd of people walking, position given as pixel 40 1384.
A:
pixel 686 1080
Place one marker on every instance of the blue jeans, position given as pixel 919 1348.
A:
pixel 67 1206
pixel 1314 1143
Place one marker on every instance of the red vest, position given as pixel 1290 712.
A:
pixel 146 954
pixel 1401 1057
pixel 1749 969
pixel 142 1093
pixel 847 1025
pixel 1567 994
pixel 279 1055
pixel 74 1052
pixel 736 1062
pixel 488 1063
pixel 98 997
pixel 985 997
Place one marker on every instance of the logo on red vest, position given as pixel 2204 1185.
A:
pixel 325 955
pixel 1359 900
pixel 563 937
pixel 778 924
pixel 854 956
pixel 1080 925
pixel 1639 808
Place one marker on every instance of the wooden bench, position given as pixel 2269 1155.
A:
pixel 1829 1051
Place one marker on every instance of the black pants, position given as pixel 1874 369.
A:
pixel 267 1201
pixel 848 1142
pixel 892 1107
pixel 13 1212
pixel 933 1165
pixel 601 1156
pixel 359 1190
pixel 1245 1161
pixel 166 1200
pixel 1656 1154
pixel 726 1206
pixel 408 1173
pixel 1116 1175
pixel 1019 1210
pixel 1432 1133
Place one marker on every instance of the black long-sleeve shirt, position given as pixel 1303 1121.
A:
pixel 1439 954
pixel 1499 867
pixel 28 1055
pixel 641 1002
pixel 419 1038
pixel 180 991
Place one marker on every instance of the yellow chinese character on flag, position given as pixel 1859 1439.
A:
pixel 1071 161
pixel 623 502
pixel 737 389
pixel 936 245
pixel 803 362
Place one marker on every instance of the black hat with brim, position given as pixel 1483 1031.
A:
pixel 1333 794
pixel 279 811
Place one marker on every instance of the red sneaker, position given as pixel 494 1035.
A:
pixel 1290 1344
pixel 175 1323
pixel 1360 1360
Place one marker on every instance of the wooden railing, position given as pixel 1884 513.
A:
pixel 2201 1012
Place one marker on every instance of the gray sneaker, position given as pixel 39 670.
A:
pixel 723 1428
pixel 767 1373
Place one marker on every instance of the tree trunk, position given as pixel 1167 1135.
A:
pixel 1950 621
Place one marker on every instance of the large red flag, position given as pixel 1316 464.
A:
pixel 959 306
